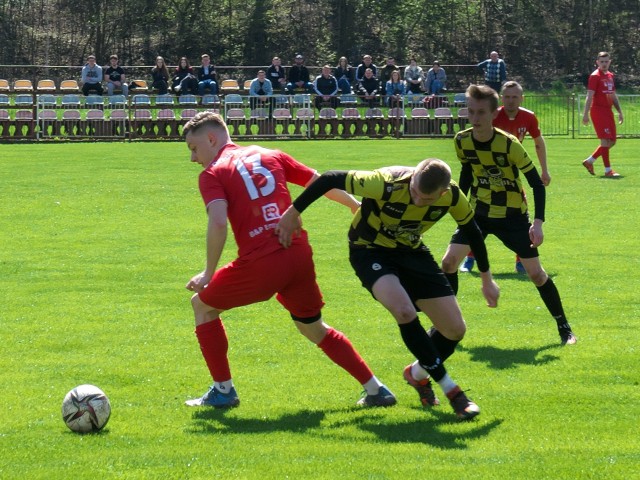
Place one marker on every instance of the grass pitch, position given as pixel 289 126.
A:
pixel 98 240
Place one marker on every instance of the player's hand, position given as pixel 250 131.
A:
pixel 288 226
pixel 535 234
pixel 620 118
pixel 198 282
pixel 546 178
pixel 585 120
pixel 490 289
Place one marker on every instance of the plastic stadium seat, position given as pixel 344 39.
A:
pixel 23 86
pixel 68 86
pixel 46 86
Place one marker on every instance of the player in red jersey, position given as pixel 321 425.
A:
pixel 247 186
pixel 517 121
pixel 601 95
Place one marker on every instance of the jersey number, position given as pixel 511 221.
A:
pixel 252 162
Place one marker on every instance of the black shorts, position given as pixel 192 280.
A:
pixel 512 231
pixel 417 271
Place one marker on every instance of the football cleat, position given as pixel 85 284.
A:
pixel 423 387
pixel 215 398
pixel 589 166
pixel 568 338
pixel 520 268
pixel 384 398
pixel 465 409
pixel 611 174
pixel 467 265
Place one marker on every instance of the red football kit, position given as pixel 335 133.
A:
pixel 604 89
pixel 253 182
pixel 524 121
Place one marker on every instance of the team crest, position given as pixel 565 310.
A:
pixel 501 160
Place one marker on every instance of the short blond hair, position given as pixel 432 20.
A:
pixel 203 120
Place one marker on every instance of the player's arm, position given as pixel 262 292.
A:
pixel 539 199
pixel 290 221
pixel 541 152
pixel 616 105
pixel 587 106
pixel 216 238
pixel 466 178
pixel 339 195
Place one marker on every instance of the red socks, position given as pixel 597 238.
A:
pixel 214 345
pixel 339 349
pixel 604 152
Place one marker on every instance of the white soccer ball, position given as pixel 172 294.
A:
pixel 86 409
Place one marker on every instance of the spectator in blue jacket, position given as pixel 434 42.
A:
pixel 326 88
pixel 298 76
pixel 395 90
pixel 261 92
pixel 495 71
pixel 435 84
pixel 207 76
pixel 91 77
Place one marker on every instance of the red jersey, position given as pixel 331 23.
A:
pixel 604 88
pixel 525 121
pixel 253 182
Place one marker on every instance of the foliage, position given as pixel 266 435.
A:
pixel 540 41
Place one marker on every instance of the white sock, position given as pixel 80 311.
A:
pixel 590 159
pixel 224 387
pixel 446 383
pixel 372 387
pixel 417 372
pixel 607 169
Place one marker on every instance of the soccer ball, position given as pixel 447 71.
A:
pixel 86 409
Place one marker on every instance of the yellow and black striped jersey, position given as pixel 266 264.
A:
pixel 496 191
pixel 388 218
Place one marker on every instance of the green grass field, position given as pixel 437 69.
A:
pixel 98 240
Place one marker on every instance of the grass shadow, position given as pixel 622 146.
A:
pixel 502 359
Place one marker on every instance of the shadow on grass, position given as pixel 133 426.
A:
pixel 210 420
pixel 440 432
pixel 502 359
pixel 437 428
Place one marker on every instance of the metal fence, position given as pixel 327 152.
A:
pixel 53 117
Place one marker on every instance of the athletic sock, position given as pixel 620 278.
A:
pixel 453 281
pixel 372 387
pixel 447 384
pixel 598 151
pixel 224 387
pixel 551 298
pixel 214 345
pixel 444 346
pixel 590 159
pixel 605 158
pixel 338 348
pixel 421 346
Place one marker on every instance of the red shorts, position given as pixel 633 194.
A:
pixel 287 273
pixel 603 123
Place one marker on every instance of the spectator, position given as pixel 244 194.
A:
pixel 344 73
pixel 115 77
pixel 495 71
pixel 298 76
pixel 207 76
pixel 366 63
pixel 385 73
pixel 184 79
pixel 160 76
pixel 369 88
pixel 395 90
pixel 435 84
pixel 414 76
pixel 91 77
pixel 247 187
pixel 601 96
pixel 326 88
pixel 261 92
pixel 276 75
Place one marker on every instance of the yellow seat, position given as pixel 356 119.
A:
pixel 23 86
pixel 46 86
pixel 4 85
pixel 141 86
pixel 247 84
pixel 69 86
pixel 229 85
